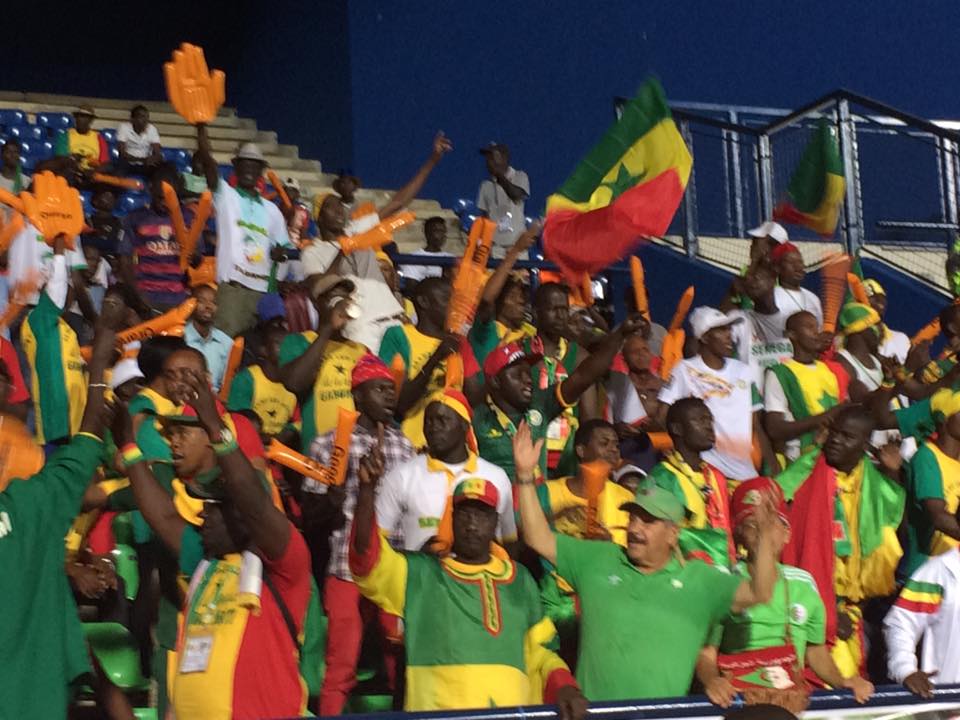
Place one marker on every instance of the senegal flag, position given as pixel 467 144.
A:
pixel 816 188
pixel 627 187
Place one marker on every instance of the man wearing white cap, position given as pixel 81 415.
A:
pixel 126 379
pixel 765 238
pixel 727 387
pixel 251 236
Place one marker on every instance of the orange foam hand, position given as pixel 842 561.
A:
pixel 233 363
pixel 11 200
pixel 54 208
pixel 377 236
pixel 281 190
pixel 120 182
pixel 346 420
pixel 172 202
pixel 160 325
pixel 9 230
pixel 470 278
pixel 300 464
pixel 196 93
pixel 188 244
pixel 639 287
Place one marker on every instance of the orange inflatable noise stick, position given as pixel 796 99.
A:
pixel 639 287
pixel 11 200
pixel 857 289
pixel 928 333
pixel 281 190
pixel 470 278
pixel 683 307
pixel 9 230
pixel 377 236
pixel 672 351
pixel 346 420
pixel 398 369
pixel 582 295
pixel 454 375
pixel 173 207
pixel 595 476
pixel 160 325
pixel 833 288
pixel 189 243
pixel 120 182
pixel 290 458
pixel 233 362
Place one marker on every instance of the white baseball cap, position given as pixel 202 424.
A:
pixel 249 151
pixel 704 319
pixel 124 371
pixel 291 182
pixel 770 229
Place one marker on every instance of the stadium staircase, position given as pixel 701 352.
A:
pixel 34 119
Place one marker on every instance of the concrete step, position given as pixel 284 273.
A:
pixel 111 117
pixel 69 102
pixel 246 133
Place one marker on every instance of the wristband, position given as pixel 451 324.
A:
pixel 130 455
pixel 98 385
pixel 225 448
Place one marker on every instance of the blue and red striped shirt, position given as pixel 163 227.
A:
pixel 150 239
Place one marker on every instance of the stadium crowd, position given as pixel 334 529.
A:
pixel 548 509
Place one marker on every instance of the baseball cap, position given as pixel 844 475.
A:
pixel 873 287
pixel 477 489
pixel 124 371
pixel 271 306
pixel 704 319
pixel 494 146
pixel 291 182
pixel 249 151
pixel 326 283
pixel 506 355
pixel 772 230
pixel 627 470
pixel 85 110
pixel 656 501
pixel 748 495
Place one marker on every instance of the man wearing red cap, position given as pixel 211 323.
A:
pixel 475 634
pixel 789 297
pixel 513 399
pixel 413 495
pixel 767 646
pixel 375 398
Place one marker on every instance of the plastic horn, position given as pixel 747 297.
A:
pixel 639 287
pixel 595 476
pixel 158 325
pixel 233 363
pixel 301 464
pixel 378 236
pixel 857 289
pixel 833 287
pixel 346 419
pixel 683 307
pixel 469 280
pixel 281 190
pixel 8 198
pixel 9 231
pixel 173 207
pixel 120 182
pixel 189 244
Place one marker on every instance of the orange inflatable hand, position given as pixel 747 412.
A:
pixel 683 307
pixel 195 93
pixel 189 244
pixel 346 420
pixel 378 236
pixel 54 207
pixel 173 207
pixel 8 230
pixel 11 200
pixel 233 362
pixel 205 274
pixel 160 325
pixel 290 458
pixel 639 287
pixel 120 182
pixel 281 190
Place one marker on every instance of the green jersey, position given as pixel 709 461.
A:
pixel 640 633
pixel 931 475
pixel 40 633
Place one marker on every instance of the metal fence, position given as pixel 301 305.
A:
pixel 901 174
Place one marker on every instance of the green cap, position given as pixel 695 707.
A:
pixel 656 501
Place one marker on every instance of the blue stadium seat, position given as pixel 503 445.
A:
pixel 109 134
pixel 114 153
pixel 55 121
pixel 177 156
pixel 26 132
pixel 43 150
pixel 131 201
pixel 85 196
pixel 12 118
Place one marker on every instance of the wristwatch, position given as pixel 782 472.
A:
pixel 225 436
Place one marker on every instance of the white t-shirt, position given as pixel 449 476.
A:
pixel 732 397
pixel 411 499
pixel 895 345
pixel 30 256
pixel 509 215
pixel 758 343
pixel 775 400
pixel 623 400
pixel 419 272
pixel 138 144
pixel 248 227
pixel 790 302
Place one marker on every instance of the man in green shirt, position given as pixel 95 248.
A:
pixel 645 615
pixel 513 399
pixel 40 634
pixel 794 616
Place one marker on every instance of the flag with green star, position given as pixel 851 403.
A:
pixel 626 188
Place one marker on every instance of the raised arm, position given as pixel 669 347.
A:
pixel 300 373
pixel 491 291
pixel 763 568
pixel 210 169
pixel 534 528
pixel 269 528
pixel 600 360
pixel 402 197
pixel 415 388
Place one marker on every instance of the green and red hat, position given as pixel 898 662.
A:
pixel 477 489
pixel 748 496
pixel 506 355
